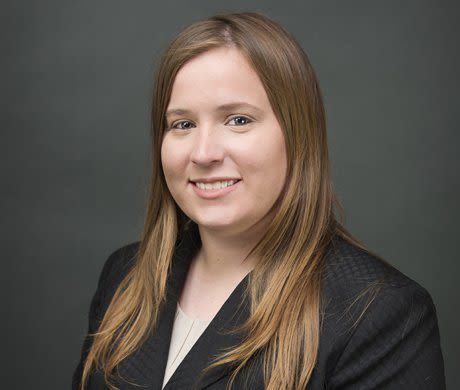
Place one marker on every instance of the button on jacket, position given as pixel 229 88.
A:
pixel 394 345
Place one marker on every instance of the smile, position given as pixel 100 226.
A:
pixel 217 185
pixel 216 189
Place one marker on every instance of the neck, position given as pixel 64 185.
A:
pixel 222 254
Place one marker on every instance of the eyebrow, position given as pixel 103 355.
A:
pixel 221 108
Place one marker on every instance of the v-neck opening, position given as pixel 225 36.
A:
pixel 218 321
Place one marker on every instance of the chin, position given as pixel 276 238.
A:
pixel 216 224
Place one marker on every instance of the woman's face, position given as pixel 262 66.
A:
pixel 220 126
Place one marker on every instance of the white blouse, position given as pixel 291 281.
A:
pixel 185 333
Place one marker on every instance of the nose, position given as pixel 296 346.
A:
pixel 207 146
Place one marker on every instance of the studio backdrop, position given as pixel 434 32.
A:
pixel 76 94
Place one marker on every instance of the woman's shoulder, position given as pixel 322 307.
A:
pixel 119 262
pixel 114 269
pixel 373 314
pixel 356 281
pixel 349 268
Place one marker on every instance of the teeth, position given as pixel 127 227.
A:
pixel 216 185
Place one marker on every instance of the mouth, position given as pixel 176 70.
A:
pixel 208 191
pixel 215 185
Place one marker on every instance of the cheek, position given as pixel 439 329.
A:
pixel 265 170
pixel 170 159
pixel 267 163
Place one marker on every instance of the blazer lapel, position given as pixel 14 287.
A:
pixel 146 367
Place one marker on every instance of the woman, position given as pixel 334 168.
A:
pixel 243 276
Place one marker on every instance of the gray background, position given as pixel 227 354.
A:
pixel 75 115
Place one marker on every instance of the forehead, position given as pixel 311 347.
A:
pixel 219 75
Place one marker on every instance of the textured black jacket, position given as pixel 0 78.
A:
pixel 394 345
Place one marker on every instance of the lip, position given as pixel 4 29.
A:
pixel 212 179
pixel 213 194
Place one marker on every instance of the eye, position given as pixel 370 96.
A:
pixel 241 117
pixel 187 123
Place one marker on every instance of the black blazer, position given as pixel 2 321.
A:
pixel 395 345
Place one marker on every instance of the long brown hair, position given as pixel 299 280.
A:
pixel 284 287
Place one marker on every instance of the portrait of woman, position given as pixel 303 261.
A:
pixel 245 276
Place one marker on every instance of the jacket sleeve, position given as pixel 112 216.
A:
pixel 396 345
pixel 94 317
